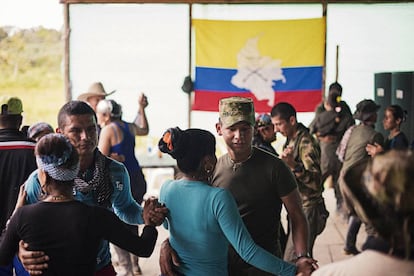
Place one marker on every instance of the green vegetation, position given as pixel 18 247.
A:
pixel 31 69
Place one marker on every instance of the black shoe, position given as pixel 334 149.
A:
pixel 351 251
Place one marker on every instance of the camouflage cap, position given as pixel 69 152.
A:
pixel 236 109
pixel 11 106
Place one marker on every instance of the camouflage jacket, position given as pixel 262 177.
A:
pixel 307 154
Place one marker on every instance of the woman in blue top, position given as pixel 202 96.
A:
pixel 394 116
pixel 202 219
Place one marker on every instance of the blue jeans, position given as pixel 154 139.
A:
pixel 354 224
pixel 18 268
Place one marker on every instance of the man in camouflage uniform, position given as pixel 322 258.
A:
pixel 302 154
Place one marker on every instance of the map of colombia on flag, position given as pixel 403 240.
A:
pixel 268 61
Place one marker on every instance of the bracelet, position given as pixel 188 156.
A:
pixel 303 255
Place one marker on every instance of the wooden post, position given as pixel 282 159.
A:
pixel 67 85
pixel 337 63
pixel 324 14
pixel 190 17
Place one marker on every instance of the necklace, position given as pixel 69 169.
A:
pixel 237 165
pixel 59 198
pixel 392 135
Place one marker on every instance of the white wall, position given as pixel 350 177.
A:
pixel 133 48
pixel 371 39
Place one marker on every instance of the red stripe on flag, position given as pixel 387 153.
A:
pixel 303 101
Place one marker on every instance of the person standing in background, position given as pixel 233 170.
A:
pixel 394 116
pixel 351 151
pixel 38 130
pixel 264 134
pixel 333 117
pixel 334 95
pixel 17 162
pixel 95 93
pixel 117 140
pixel 302 154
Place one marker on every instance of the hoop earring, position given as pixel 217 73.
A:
pixel 209 170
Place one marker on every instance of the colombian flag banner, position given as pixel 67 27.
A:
pixel 268 61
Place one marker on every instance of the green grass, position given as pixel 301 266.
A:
pixel 30 66
pixel 39 104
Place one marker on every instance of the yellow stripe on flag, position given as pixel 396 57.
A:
pixel 299 42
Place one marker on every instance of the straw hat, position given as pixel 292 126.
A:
pixel 96 89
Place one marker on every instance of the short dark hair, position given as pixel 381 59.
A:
pixel 13 121
pixel 73 108
pixel 283 110
pixel 335 88
pixel 398 112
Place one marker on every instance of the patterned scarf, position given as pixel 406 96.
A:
pixel 100 183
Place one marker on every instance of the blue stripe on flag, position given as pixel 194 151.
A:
pixel 297 79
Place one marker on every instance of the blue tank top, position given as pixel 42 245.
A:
pixel 127 148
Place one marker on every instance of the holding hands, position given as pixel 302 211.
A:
pixel 154 213
pixel 305 266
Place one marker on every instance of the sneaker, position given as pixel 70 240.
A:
pixel 351 251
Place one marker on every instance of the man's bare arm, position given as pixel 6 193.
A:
pixel 168 259
pixel 293 204
pixel 140 125
pixel 33 261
